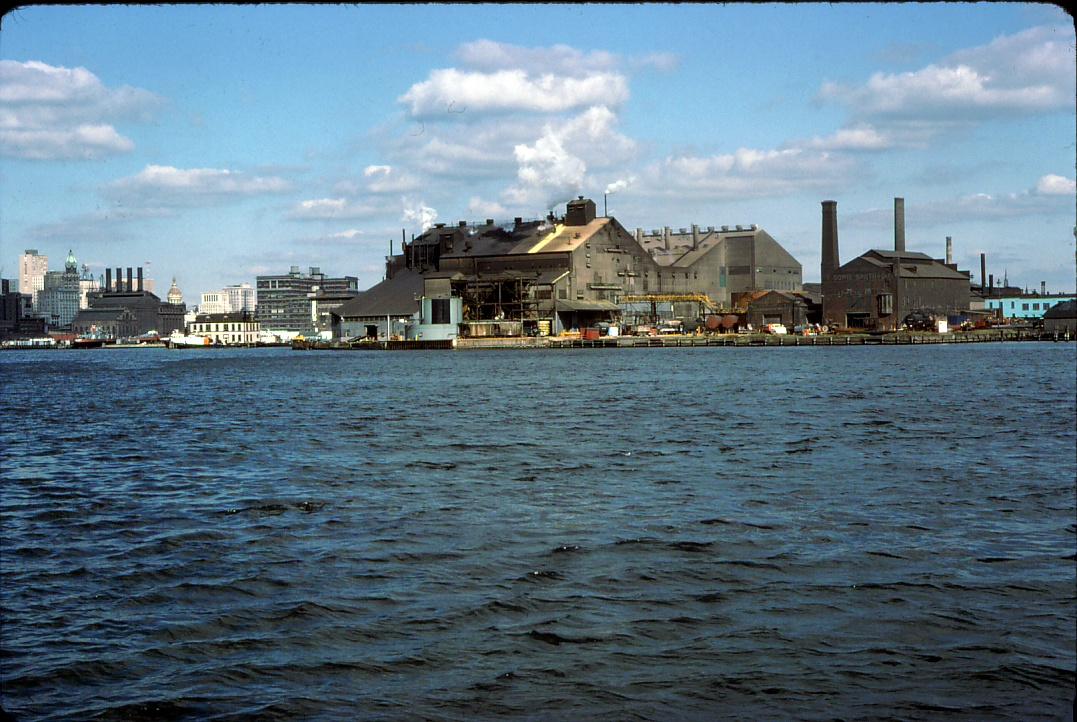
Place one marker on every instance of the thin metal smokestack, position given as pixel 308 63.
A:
pixel 130 286
pixel 899 225
pixel 949 250
pixel 983 270
pixel 119 278
pixel 140 286
pixel 830 240
pixel 1043 288
pixel 108 279
pixel 991 283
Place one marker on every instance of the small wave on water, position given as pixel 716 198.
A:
pixel 352 536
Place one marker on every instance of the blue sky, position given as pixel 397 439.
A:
pixel 221 142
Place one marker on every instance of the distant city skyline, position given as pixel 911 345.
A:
pixel 219 143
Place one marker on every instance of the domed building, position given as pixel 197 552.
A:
pixel 175 295
pixel 58 301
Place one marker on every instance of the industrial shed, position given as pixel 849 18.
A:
pixel 1061 318
pixel 378 311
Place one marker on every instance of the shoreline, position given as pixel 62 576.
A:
pixel 668 341
pixel 672 341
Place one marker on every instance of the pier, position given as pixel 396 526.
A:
pixel 904 338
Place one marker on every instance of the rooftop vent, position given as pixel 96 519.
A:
pixel 710 229
pixel 439 225
pixel 489 221
pixel 683 231
pixel 462 224
pixel 755 227
pixel 739 227
pixel 725 228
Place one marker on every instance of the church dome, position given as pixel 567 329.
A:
pixel 175 295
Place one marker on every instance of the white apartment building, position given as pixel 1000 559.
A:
pixel 228 329
pixel 230 299
pixel 214 302
pixel 240 297
pixel 32 270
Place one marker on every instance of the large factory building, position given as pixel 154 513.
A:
pixel 125 309
pixel 720 263
pixel 879 289
pixel 548 275
pixel 555 274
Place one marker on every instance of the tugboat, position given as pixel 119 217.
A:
pixel 178 340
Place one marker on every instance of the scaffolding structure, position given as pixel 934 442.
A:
pixel 705 304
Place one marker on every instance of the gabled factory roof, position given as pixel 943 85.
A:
pixel 392 297
pixel 682 255
pixel 911 264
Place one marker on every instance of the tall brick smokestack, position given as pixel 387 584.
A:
pixel 830 240
pixel 899 225
pixel 949 250
pixel 983 270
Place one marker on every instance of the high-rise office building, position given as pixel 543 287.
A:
pixel 32 269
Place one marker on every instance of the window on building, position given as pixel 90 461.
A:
pixel 1024 306
pixel 439 310
pixel 1035 307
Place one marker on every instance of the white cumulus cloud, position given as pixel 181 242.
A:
pixel 162 186
pixel 1056 185
pixel 1027 72
pixel 327 209
pixel 751 173
pixel 860 137
pixel 449 91
pixel 479 208
pixel 57 113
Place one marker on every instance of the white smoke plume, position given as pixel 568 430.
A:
pixel 419 213
pixel 620 185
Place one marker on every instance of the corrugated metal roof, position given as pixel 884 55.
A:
pixel 562 238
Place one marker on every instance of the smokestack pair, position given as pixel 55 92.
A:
pixel 830 260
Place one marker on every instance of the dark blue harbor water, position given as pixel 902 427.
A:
pixel 809 533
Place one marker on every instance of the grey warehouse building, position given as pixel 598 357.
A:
pixel 284 301
pixel 720 262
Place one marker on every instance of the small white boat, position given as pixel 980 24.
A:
pixel 180 340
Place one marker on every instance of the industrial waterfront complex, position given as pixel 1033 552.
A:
pixel 579 275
